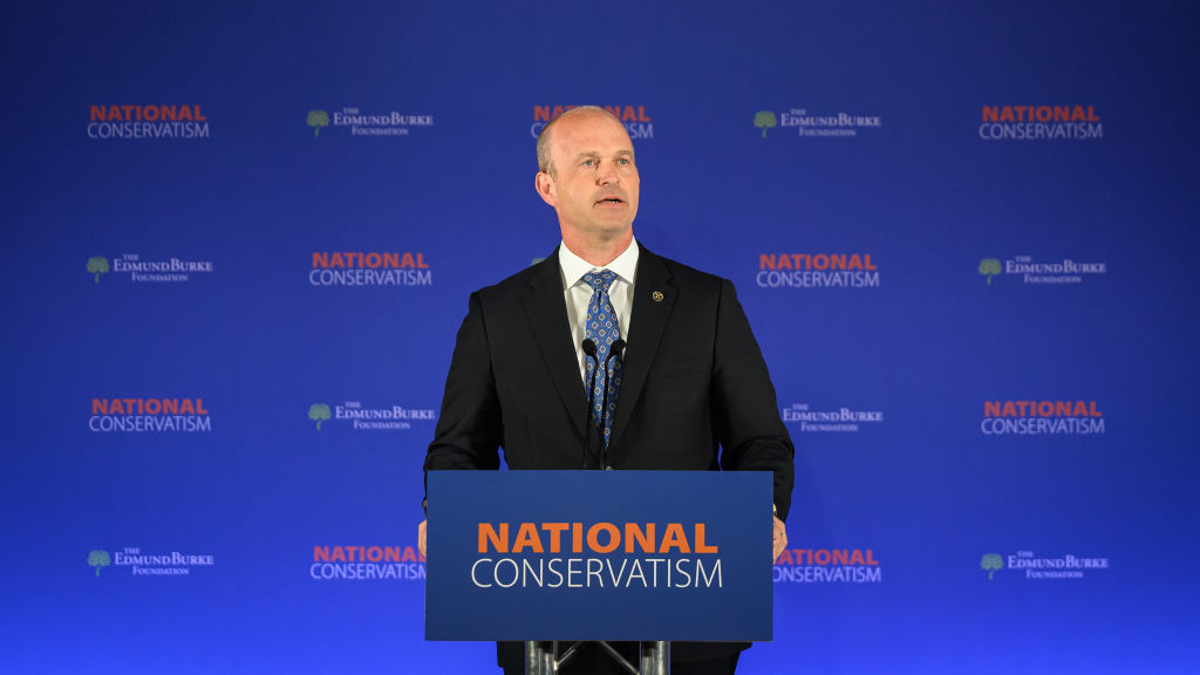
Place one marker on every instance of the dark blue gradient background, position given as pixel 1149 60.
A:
pixel 925 490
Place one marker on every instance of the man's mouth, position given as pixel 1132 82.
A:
pixel 611 200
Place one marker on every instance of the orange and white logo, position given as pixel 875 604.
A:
pixel 575 555
pixel 371 268
pixel 828 565
pixel 134 415
pixel 1040 122
pixel 1041 417
pixel 636 120
pixel 367 562
pixel 816 270
pixel 142 121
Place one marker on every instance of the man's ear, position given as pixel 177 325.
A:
pixel 545 188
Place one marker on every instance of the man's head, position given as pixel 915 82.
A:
pixel 587 173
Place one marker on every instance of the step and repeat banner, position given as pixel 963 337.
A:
pixel 239 240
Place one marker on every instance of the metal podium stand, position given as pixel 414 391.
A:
pixel 541 657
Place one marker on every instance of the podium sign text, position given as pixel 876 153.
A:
pixel 599 555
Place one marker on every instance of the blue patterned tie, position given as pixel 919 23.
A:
pixel 601 327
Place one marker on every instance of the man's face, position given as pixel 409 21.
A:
pixel 595 186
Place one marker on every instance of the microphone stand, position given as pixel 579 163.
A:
pixel 589 350
pixel 617 347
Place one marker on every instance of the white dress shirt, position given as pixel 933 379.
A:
pixel 578 293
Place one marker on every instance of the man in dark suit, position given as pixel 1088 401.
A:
pixel 690 391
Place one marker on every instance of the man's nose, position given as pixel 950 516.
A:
pixel 606 174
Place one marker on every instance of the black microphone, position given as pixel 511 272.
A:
pixel 589 349
pixel 615 350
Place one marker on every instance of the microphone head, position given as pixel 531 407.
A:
pixel 589 347
pixel 618 346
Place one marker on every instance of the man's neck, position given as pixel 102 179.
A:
pixel 599 253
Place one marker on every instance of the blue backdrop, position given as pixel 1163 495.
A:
pixel 963 234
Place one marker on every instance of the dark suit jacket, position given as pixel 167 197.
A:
pixel 693 381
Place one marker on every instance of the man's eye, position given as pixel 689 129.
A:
pixel 624 161
pixel 589 162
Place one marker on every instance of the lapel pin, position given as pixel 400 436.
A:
pixel 656 296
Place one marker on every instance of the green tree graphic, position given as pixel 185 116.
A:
pixel 316 120
pixel 97 265
pixel 989 267
pixel 764 120
pixel 319 412
pixel 99 559
pixel 992 562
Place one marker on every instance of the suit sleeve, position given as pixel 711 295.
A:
pixel 469 429
pixel 745 412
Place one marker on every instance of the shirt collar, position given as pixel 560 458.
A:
pixel 573 267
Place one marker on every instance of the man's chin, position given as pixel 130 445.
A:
pixel 614 230
pixel 601 229
pixel 611 225
pixel 614 220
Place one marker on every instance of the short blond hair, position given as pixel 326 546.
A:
pixel 545 165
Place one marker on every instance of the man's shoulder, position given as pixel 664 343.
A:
pixel 547 271
pixel 542 272
pixel 685 275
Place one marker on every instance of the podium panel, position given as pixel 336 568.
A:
pixel 599 555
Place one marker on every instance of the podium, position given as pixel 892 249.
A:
pixel 555 556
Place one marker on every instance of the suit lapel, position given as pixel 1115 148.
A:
pixel 649 316
pixel 547 312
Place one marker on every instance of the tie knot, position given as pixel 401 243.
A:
pixel 600 280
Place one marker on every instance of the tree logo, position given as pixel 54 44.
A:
pixel 99 559
pixel 319 412
pixel 765 119
pixel 989 267
pixel 316 120
pixel 991 562
pixel 97 265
